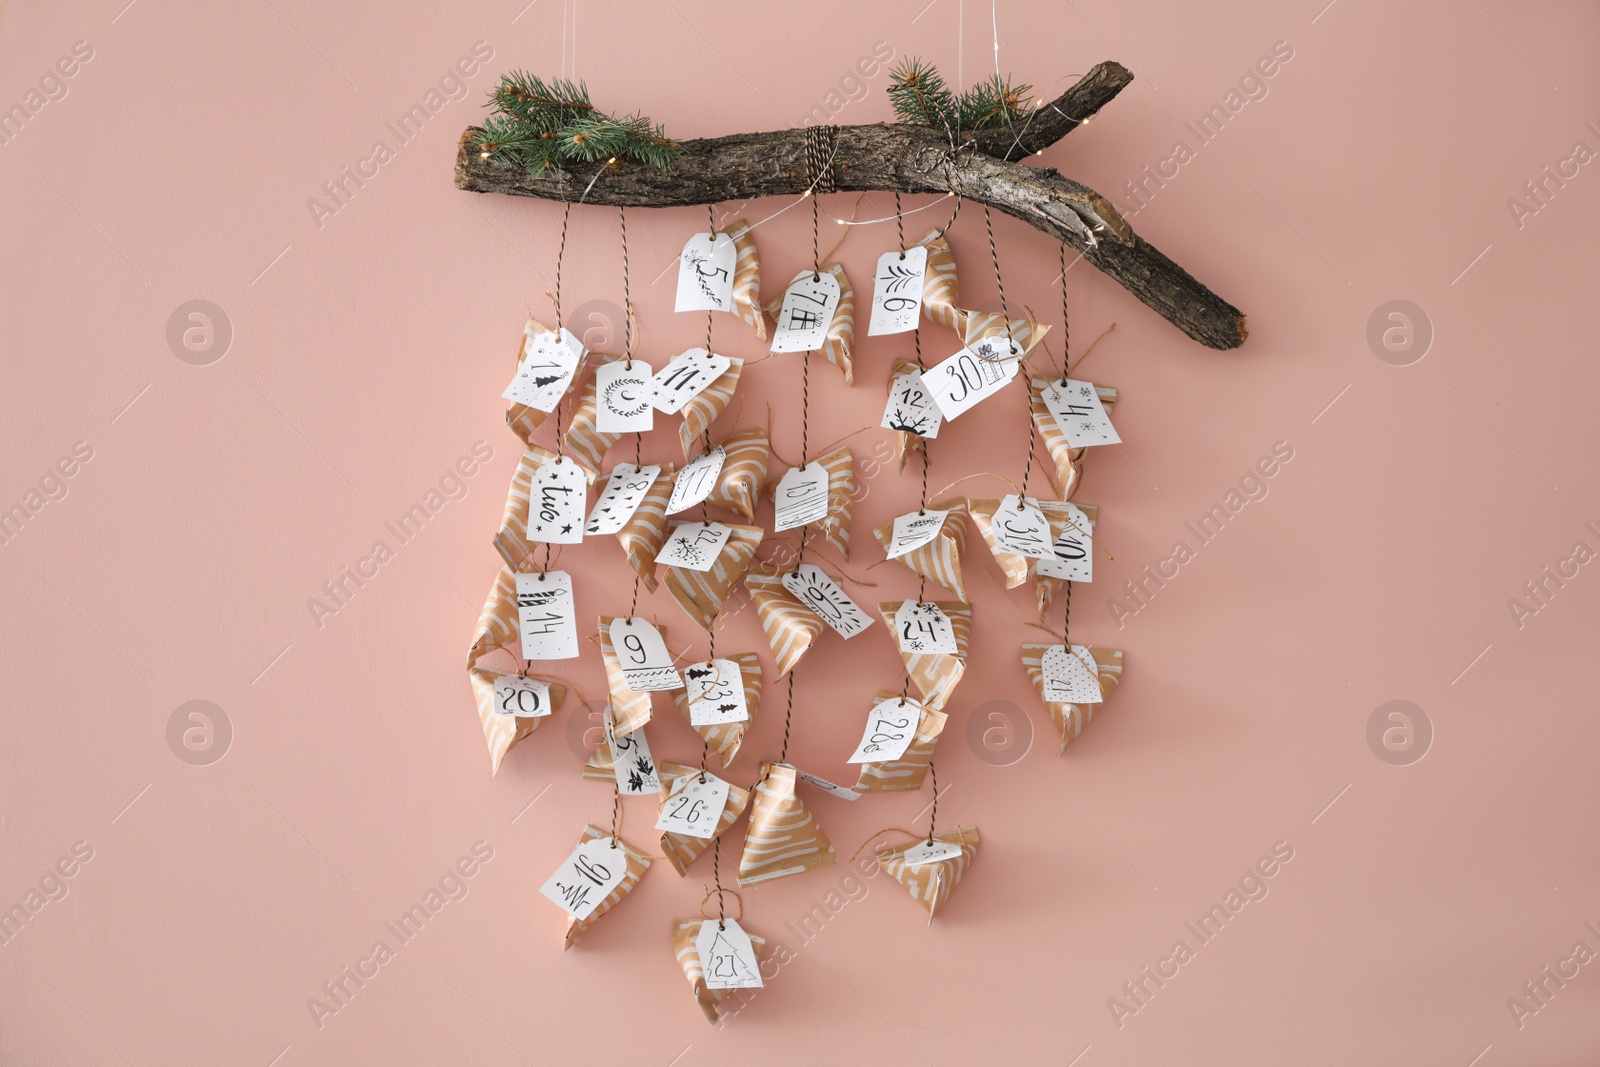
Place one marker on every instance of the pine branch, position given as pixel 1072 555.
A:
pixel 918 95
pixel 537 125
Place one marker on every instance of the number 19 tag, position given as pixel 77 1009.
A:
pixel 694 807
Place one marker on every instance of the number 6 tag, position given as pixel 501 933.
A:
pixel 694 807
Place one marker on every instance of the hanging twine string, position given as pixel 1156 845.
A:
pixel 722 914
pixel 627 300
pixel 999 282
pixel 933 818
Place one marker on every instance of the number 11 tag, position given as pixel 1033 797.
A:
pixel 694 807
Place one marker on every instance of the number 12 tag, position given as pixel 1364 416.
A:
pixel 694 807
pixel 975 373
pixel 911 407
pixel 525 698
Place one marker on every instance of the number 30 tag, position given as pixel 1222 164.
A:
pixel 975 373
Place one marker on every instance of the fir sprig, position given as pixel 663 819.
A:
pixel 537 124
pixel 919 96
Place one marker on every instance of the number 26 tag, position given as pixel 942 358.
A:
pixel 694 807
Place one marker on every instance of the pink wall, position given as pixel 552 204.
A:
pixel 367 352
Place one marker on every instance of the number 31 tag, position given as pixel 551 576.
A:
pixel 694 807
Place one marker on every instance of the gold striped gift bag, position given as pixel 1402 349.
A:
pixel 838 345
pixel 744 472
pixel 1045 587
pixel 1068 460
pixel 629 710
pixel 981 325
pixel 783 837
pixel 637 862
pixel 523 419
pixel 841 499
pixel 642 535
pixel 701 594
pixel 908 772
pixel 503 731
pixel 935 674
pixel 1014 567
pixel 939 560
pixel 724 738
pixel 930 884
pixel 683 849
pixel 790 626
pixel 512 540
pixel 746 277
pixel 685 938
pixel 497 629
pixel 703 408
pixel 940 298
pixel 584 442
pixel 1070 719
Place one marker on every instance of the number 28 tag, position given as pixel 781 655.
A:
pixel 891 724
pixel 694 807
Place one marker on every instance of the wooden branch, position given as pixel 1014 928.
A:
pixel 907 159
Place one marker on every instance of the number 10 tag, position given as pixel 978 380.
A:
pixel 694 807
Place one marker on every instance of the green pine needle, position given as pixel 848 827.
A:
pixel 537 124
pixel 918 94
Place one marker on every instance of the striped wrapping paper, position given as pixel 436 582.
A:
pixel 725 738
pixel 939 560
pixel 683 849
pixel 746 278
pixel 841 499
pixel 704 407
pixel 512 540
pixel 1014 567
pixel 940 299
pixel 685 936
pixel 930 884
pixel 497 629
pixel 783 837
pixel 701 594
pixel 642 536
pixel 839 343
pixel 935 674
pixel 638 863
pixel 1068 460
pixel 584 441
pixel 629 710
pixel 905 443
pixel 908 772
pixel 1070 719
pixel 503 731
pixel 523 419
pixel 790 626
pixel 744 472
pixel 1045 587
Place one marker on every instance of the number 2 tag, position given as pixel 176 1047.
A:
pixel 555 503
pixel 924 628
pixel 525 698
pixel 705 273
pixel 975 373
pixel 1071 677
pixel 716 693
pixel 694 807
pixel 646 663
pixel 807 312
pixel 891 724
pixel 727 958
pixel 690 373
pixel 587 877
pixel 1021 528
pixel 624 397
pixel 897 291
pixel 823 595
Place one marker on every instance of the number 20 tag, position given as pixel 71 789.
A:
pixel 525 698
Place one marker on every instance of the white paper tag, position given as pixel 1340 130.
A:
pixel 840 791
pixel 891 724
pixel 1072 555
pixel 545 371
pixel 924 628
pixel 1020 527
pixel 693 807
pixel 801 497
pixel 624 491
pixel 556 496
pixel 924 853
pixel 696 480
pixel 975 373
pixel 642 654
pixel 1077 409
pixel 545 616
pixel 524 698
pixel 911 407
pixel 807 312
pixel 1071 677
pixel 897 291
pixel 705 273
pixel 688 375
pixel 694 545
pixel 716 693
pixel 631 762
pixel 913 530
pixel 624 397
pixel 727 958
pixel 824 596
pixel 587 877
